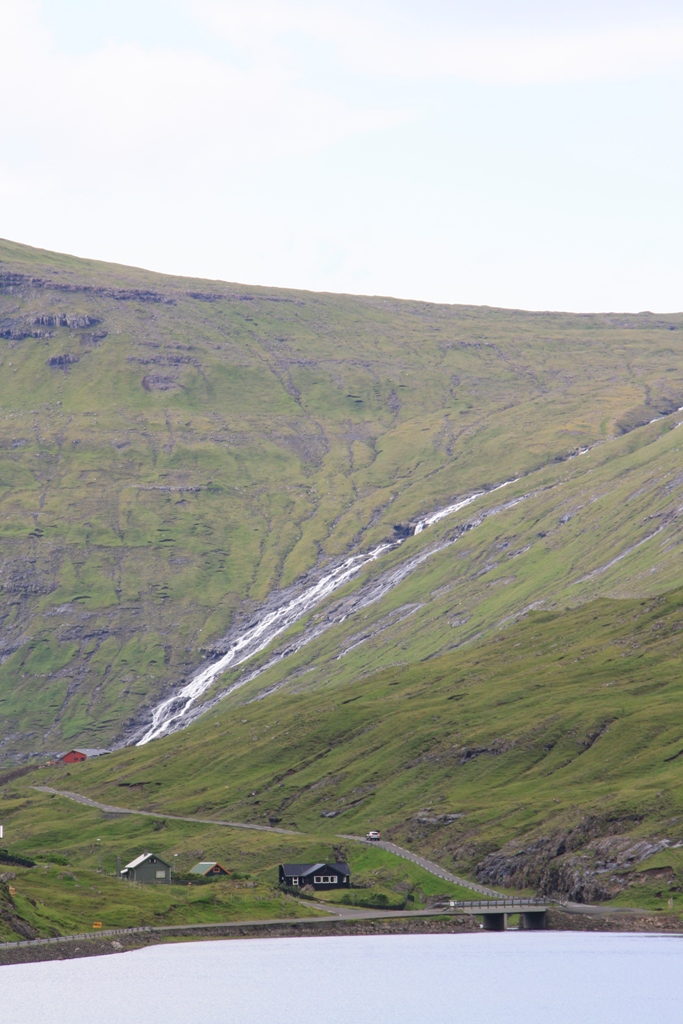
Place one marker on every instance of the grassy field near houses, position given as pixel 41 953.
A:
pixel 75 884
pixel 65 901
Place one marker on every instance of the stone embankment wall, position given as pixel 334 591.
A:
pixel 557 919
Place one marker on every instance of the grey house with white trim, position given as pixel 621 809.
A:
pixel 149 869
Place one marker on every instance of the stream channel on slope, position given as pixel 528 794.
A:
pixel 177 711
pixel 282 611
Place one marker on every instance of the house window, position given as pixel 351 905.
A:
pixel 161 873
pixel 295 881
pixel 317 879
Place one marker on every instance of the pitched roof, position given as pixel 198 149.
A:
pixel 309 869
pixel 142 858
pixel 88 751
pixel 300 869
pixel 205 866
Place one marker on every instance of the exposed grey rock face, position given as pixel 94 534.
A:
pixel 9 915
pixel 60 362
pixel 67 320
pixel 577 865
pixel 426 818
pixel 10 281
pixel 157 382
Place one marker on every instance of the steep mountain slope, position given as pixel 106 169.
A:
pixel 607 522
pixel 175 453
pixel 548 758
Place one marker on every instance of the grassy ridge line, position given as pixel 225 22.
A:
pixel 565 725
pixel 220 441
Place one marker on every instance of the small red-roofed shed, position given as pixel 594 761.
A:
pixel 72 756
pixel 82 754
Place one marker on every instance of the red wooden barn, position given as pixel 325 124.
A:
pixel 81 754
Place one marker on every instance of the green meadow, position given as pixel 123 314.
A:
pixel 560 717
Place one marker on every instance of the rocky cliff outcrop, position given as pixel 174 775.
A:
pixel 580 865
pixel 10 917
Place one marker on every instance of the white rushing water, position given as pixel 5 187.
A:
pixel 364 596
pixel 178 711
pixel 475 978
pixel 256 638
pixel 175 711
pixel 436 517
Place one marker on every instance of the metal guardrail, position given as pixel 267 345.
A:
pixel 490 906
pixel 511 902
pixel 82 936
pixel 433 869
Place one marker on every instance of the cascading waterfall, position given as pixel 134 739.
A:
pixel 175 711
pixel 256 638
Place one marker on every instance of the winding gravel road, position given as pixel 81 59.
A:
pixel 111 809
pixel 428 865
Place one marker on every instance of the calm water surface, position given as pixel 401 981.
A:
pixel 509 978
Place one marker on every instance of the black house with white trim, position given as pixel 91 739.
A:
pixel 320 876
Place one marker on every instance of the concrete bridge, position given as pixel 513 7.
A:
pixel 495 912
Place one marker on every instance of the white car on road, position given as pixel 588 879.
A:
pixel 372 835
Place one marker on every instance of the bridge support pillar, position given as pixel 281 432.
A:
pixel 533 920
pixel 495 922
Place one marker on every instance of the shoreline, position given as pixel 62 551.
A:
pixel 127 940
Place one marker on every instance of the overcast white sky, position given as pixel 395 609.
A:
pixel 506 152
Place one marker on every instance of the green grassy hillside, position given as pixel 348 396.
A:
pixel 546 760
pixel 605 523
pixel 174 451
pixel 559 717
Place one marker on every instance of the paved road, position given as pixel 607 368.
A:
pixel 110 809
pixel 341 913
pixel 228 927
pixel 345 914
pixel 428 865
